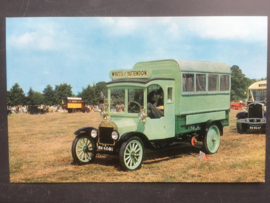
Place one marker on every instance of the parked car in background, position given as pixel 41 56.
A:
pixel 254 115
pixel 36 109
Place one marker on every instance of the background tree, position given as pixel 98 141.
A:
pixel 16 96
pixel 100 87
pixel 38 98
pixel 50 97
pixel 87 94
pixel 63 90
pixel 239 84
pixel 30 97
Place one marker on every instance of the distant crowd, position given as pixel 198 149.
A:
pixel 46 109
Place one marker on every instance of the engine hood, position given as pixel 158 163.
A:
pixel 124 125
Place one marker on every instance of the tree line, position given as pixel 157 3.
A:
pixel 52 96
pixel 91 94
pixel 240 84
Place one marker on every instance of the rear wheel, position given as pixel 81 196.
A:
pixel 131 154
pixel 211 140
pixel 83 149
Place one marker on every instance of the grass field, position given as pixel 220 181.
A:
pixel 40 151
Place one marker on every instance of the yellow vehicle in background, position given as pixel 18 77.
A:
pixel 73 104
pixel 257 92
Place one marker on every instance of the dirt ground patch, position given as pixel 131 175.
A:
pixel 40 151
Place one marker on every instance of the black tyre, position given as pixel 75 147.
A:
pixel 83 149
pixel 241 128
pixel 131 154
pixel 211 140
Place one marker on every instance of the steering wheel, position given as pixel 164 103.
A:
pixel 135 108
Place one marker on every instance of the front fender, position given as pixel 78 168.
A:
pixel 128 135
pixel 87 130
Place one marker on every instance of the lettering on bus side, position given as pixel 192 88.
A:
pixel 129 74
pixel 117 74
pixel 137 73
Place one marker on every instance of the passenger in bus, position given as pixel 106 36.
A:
pixel 156 109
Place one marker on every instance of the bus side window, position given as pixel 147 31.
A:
pixel 212 82
pixel 170 94
pixel 200 82
pixel 224 83
pixel 188 82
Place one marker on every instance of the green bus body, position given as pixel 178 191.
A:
pixel 188 110
pixel 195 105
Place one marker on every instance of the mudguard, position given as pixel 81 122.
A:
pixel 218 124
pixel 128 135
pixel 242 115
pixel 87 130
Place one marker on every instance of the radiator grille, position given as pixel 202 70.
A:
pixel 105 135
pixel 255 111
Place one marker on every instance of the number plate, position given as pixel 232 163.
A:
pixel 255 127
pixel 110 149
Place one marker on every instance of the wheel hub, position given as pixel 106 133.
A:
pixel 133 154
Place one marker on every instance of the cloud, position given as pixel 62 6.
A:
pixel 122 25
pixel 41 38
pixel 239 28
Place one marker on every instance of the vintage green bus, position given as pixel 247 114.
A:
pixel 158 104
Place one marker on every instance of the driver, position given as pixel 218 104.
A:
pixel 139 97
pixel 156 110
pixel 137 102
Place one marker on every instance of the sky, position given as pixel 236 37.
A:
pixel 83 50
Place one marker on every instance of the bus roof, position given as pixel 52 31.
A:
pixel 190 65
pixel 169 68
pixel 258 85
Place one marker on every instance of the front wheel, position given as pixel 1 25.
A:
pixel 131 154
pixel 211 140
pixel 83 149
pixel 241 128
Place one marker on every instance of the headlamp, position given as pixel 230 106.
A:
pixel 94 133
pixel 115 135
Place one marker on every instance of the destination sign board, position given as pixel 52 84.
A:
pixel 130 74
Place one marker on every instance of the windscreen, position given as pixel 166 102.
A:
pixel 117 100
pixel 135 100
pixel 258 95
